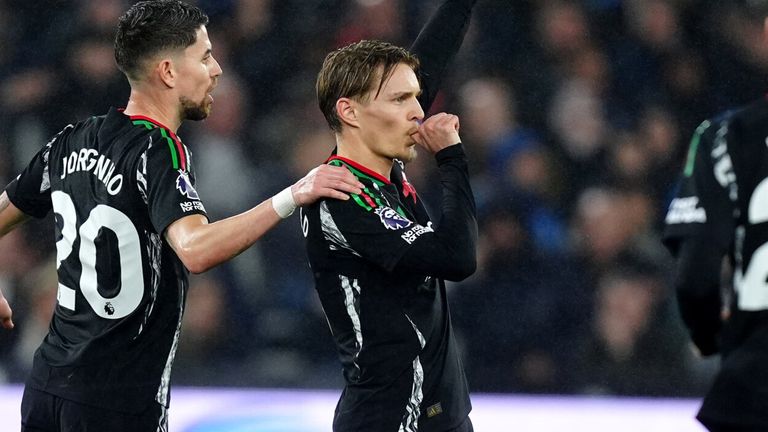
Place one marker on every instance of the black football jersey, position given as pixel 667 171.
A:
pixel 114 183
pixel 723 198
pixel 392 328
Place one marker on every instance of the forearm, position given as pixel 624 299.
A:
pixel 450 251
pixel 437 45
pixel 10 216
pixel 202 246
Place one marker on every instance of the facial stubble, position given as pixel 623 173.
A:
pixel 194 111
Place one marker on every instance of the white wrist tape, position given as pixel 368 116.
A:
pixel 283 203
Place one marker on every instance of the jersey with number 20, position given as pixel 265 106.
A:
pixel 723 201
pixel 114 183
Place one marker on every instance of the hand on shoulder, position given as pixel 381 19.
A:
pixel 325 181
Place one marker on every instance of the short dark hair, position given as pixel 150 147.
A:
pixel 352 70
pixel 152 26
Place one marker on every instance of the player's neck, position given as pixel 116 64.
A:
pixel 141 103
pixel 353 149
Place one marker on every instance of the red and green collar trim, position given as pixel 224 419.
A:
pixel 178 151
pixel 360 170
pixel 369 199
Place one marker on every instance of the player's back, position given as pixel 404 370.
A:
pixel 121 288
pixel 99 214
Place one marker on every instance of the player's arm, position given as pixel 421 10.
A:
pixel 10 217
pixel 29 200
pixel 450 251
pixel 383 235
pixel 6 314
pixel 26 196
pixel 698 231
pixel 201 245
pixel 697 285
pixel 437 45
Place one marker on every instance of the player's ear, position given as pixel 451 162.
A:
pixel 166 71
pixel 346 109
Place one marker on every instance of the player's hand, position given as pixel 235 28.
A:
pixel 438 132
pixel 5 313
pixel 325 181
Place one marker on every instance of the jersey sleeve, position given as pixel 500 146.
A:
pixel 30 191
pixel 705 202
pixel 389 239
pixel 448 250
pixel 374 232
pixel 437 45
pixel 171 193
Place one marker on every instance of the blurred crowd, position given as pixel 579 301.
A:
pixel 576 116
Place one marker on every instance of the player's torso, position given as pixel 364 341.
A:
pixel 392 328
pixel 741 167
pixel 380 320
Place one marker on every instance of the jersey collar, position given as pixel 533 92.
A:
pixel 367 171
pixel 154 122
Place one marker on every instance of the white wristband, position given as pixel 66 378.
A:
pixel 283 203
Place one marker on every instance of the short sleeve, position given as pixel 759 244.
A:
pixel 30 191
pixel 379 234
pixel 703 206
pixel 171 192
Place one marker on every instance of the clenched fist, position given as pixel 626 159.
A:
pixel 438 132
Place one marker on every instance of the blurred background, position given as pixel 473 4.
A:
pixel 576 116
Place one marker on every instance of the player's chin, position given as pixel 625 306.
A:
pixel 198 115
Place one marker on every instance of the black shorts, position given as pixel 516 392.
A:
pixel 43 412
